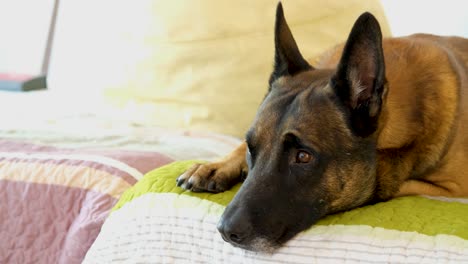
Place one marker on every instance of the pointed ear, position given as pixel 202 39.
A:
pixel 360 78
pixel 288 58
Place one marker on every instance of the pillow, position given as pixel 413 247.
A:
pixel 200 65
pixel 157 222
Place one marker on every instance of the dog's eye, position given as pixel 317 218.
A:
pixel 303 156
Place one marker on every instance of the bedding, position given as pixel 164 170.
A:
pixel 62 169
pixel 156 222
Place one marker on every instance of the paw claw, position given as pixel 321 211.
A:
pixel 212 186
pixel 180 182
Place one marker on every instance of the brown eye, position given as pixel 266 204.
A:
pixel 303 157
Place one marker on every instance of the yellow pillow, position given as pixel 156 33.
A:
pixel 201 65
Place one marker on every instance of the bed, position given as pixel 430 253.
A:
pixel 58 189
pixel 88 167
pixel 63 169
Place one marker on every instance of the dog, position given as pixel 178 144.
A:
pixel 374 119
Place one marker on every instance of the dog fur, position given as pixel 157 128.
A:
pixel 373 119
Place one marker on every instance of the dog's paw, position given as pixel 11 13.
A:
pixel 211 177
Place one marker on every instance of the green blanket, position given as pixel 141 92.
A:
pixel 423 215
pixel 157 220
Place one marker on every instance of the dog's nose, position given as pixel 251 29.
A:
pixel 232 231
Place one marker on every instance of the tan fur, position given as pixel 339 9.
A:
pixel 423 124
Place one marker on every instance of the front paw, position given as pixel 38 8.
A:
pixel 211 177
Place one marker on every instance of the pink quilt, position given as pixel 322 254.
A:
pixel 53 201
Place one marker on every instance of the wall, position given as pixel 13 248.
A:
pixel 448 17
pixel 24 25
pixel 23 33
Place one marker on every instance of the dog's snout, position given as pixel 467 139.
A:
pixel 235 237
pixel 233 232
pixel 233 229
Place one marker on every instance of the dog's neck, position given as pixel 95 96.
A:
pixel 397 128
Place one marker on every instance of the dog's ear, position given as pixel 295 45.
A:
pixel 288 58
pixel 360 78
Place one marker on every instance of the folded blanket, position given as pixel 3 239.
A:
pixel 157 222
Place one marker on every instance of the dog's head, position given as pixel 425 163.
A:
pixel 312 147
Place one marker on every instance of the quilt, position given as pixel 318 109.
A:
pixel 157 222
pixel 57 189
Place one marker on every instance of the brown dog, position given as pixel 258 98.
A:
pixel 375 119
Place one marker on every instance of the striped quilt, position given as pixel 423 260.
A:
pixel 156 222
pixel 57 190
